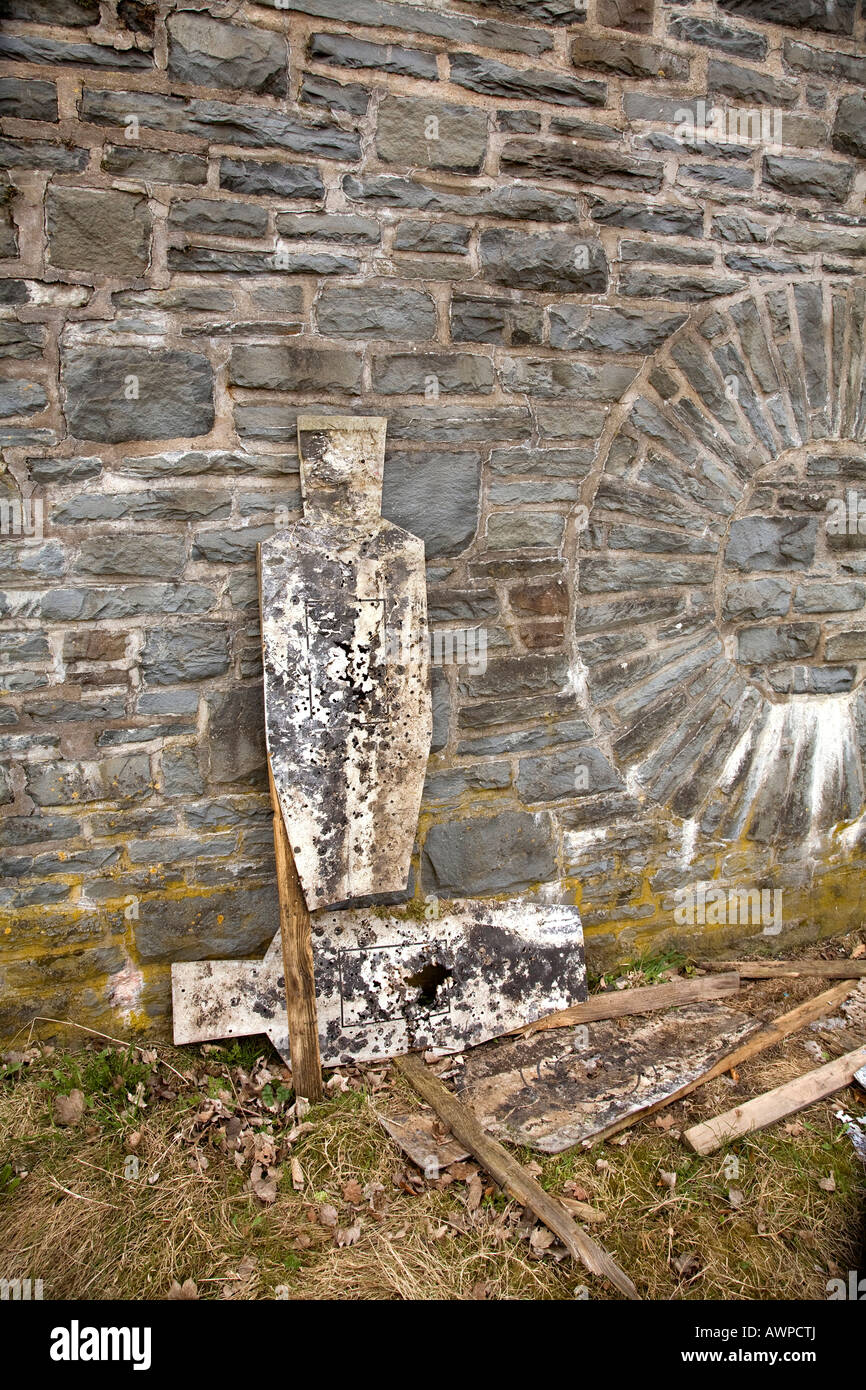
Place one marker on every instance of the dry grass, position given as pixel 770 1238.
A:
pixel 90 1229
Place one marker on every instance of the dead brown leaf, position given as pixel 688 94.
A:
pixel 69 1110
pixel 186 1290
pixel 264 1183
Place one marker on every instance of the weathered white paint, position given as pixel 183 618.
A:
pixel 388 983
pixel 347 701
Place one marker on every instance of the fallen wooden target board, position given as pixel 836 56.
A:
pixel 553 1091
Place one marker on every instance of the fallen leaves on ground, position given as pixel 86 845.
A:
pixel 69 1110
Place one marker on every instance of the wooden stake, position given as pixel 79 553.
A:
pixel 780 1028
pixel 619 1003
pixel 297 964
pixel 504 1168
pixel 782 969
pixel 776 1104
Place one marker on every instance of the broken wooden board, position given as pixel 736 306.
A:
pixel 620 1003
pixel 387 982
pixel 766 1036
pixel 551 1092
pixel 415 1133
pixel 776 1104
pixel 782 969
pixel 347 702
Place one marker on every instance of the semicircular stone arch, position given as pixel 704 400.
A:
pixel 720 614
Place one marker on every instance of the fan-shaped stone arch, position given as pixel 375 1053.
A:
pixel 721 580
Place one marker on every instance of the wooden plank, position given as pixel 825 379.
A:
pixel 504 1168
pixel 781 1027
pixel 776 1104
pixel 297 964
pixel 783 969
pixel 619 1003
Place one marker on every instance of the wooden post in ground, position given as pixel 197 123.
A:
pixel 297 964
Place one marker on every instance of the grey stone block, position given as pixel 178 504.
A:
pixel 772 543
pixel 490 78
pixel 321 226
pixel 757 598
pixel 374 311
pixel 845 646
pixel 41 154
pixel 517 202
pixel 807 14
pixel 271 368
pixel 124 777
pixel 272 179
pixel 435 495
pixel 440 238
pixel 223 123
pixel 509 852
pixel 532 530
pixel 346 52
pixel 21 397
pixel 236 735
pixel 750 86
pixel 72 13
pixel 849 128
pixel 808 178
pixel 441 693
pixel 628 59
pixel 28 101
pixel 194 652
pixel 148 557
pixel 786 643
pixel 661 220
pixel 30 49
pixel 555 378
pixel 156 166
pixel 235 546
pixel 683 288
pixel 457 28
pixel 460 373
pixel 334 96
pixel 566 775
pixel 218 217
pixel 174 394
pixel 822 62
pixel 240 921
pixel 431 135
pixel 559 159
pixel 827 597
pixel 186 504
pixel 124 601
pixel 490 320
pixel 210 54
pixel 557 264
pixel 579 328
pixel 709 33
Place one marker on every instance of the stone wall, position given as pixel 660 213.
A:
pixel 601 270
